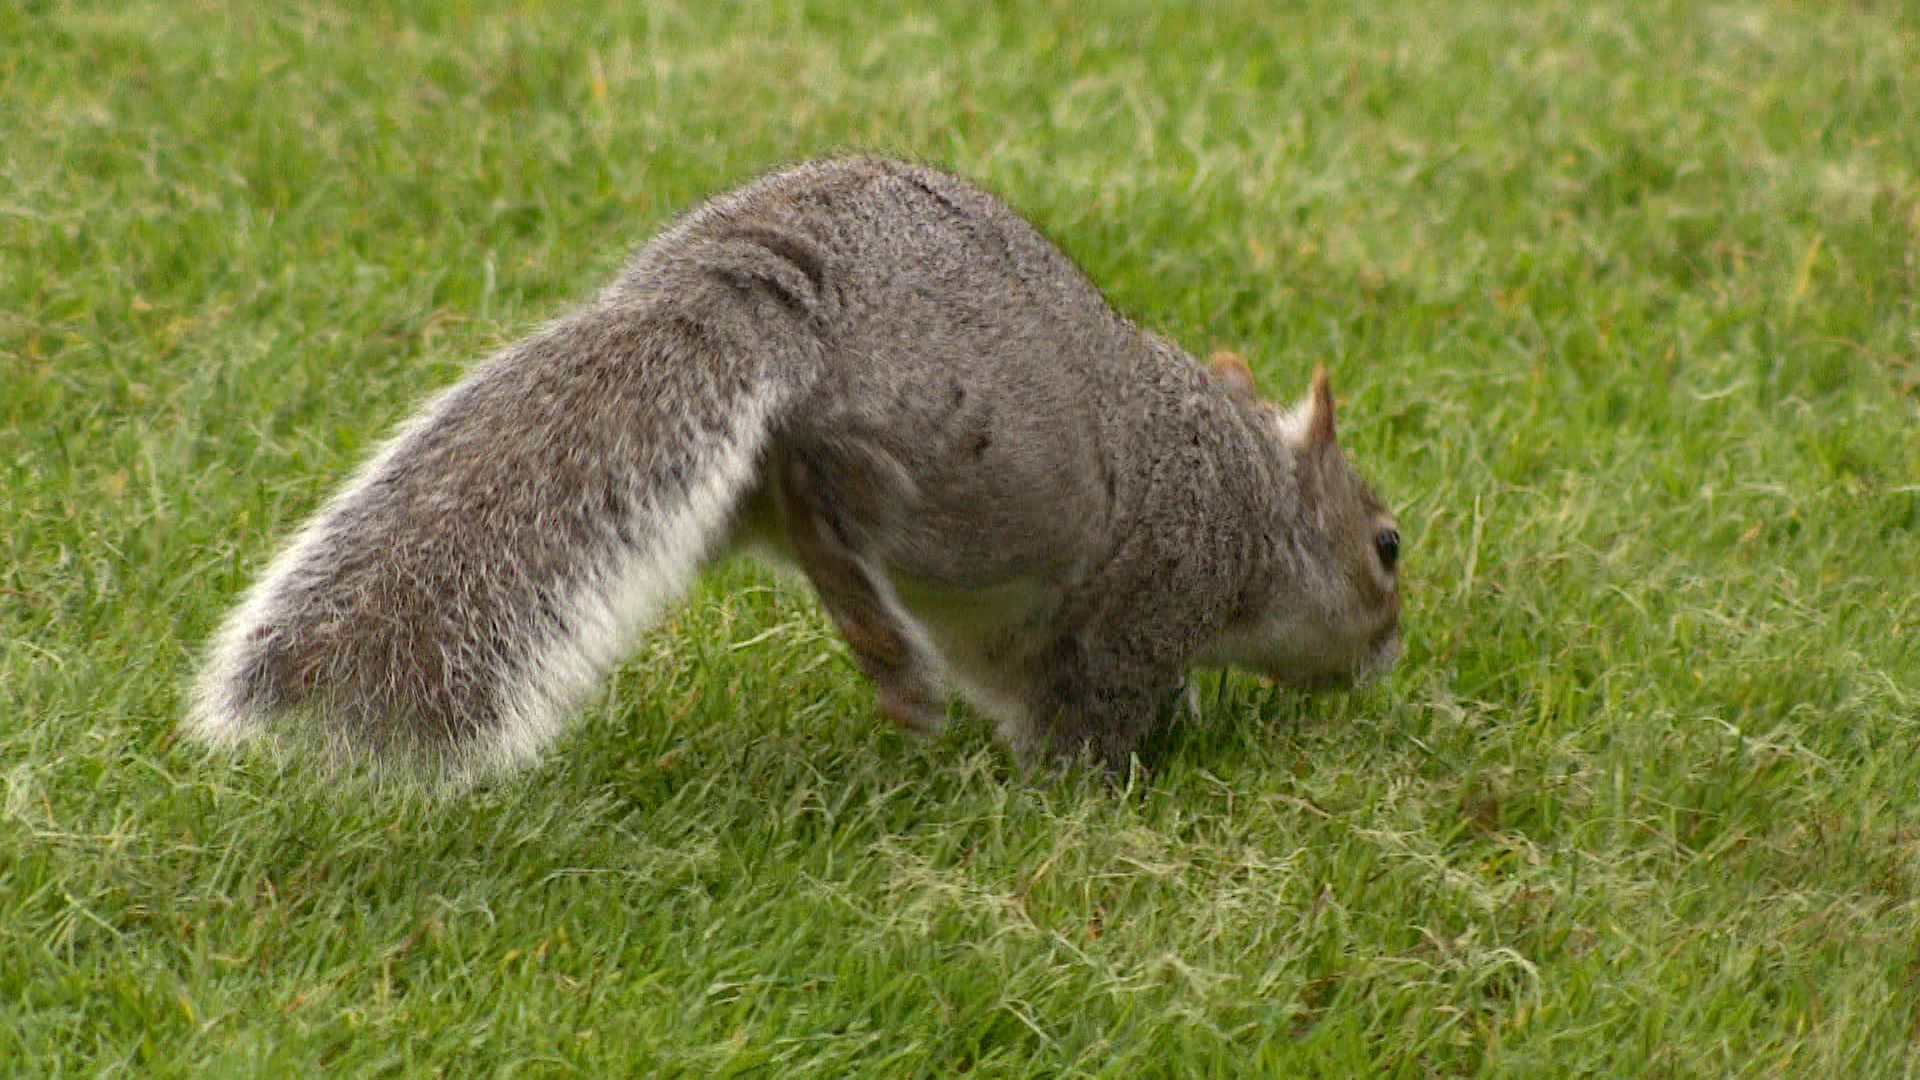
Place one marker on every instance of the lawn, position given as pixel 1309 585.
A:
pixel 1620 299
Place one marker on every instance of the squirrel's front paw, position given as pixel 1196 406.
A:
pixel 912 708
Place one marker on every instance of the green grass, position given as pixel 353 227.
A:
pixel 1620 299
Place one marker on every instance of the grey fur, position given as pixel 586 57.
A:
pixel 873 370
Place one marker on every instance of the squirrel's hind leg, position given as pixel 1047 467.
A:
pixel 889 647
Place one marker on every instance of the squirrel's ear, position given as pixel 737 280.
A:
pixel 1309 425
pixel 1320 427
pixel 1231 369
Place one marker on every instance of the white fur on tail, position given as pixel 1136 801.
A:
pixel 604 615
pixel 601 617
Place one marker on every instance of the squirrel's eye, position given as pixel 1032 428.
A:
pixel 1386 543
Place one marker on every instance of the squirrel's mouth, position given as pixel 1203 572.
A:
pixel 1385 651
pixel 1386 645
pixel 1378 658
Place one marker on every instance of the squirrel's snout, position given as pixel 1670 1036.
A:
pixel 1383 651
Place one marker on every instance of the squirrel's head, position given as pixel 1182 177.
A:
pixel 1329 614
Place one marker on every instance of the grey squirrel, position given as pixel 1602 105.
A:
pixel 874 371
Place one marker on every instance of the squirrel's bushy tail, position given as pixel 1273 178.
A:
pixel 463 593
